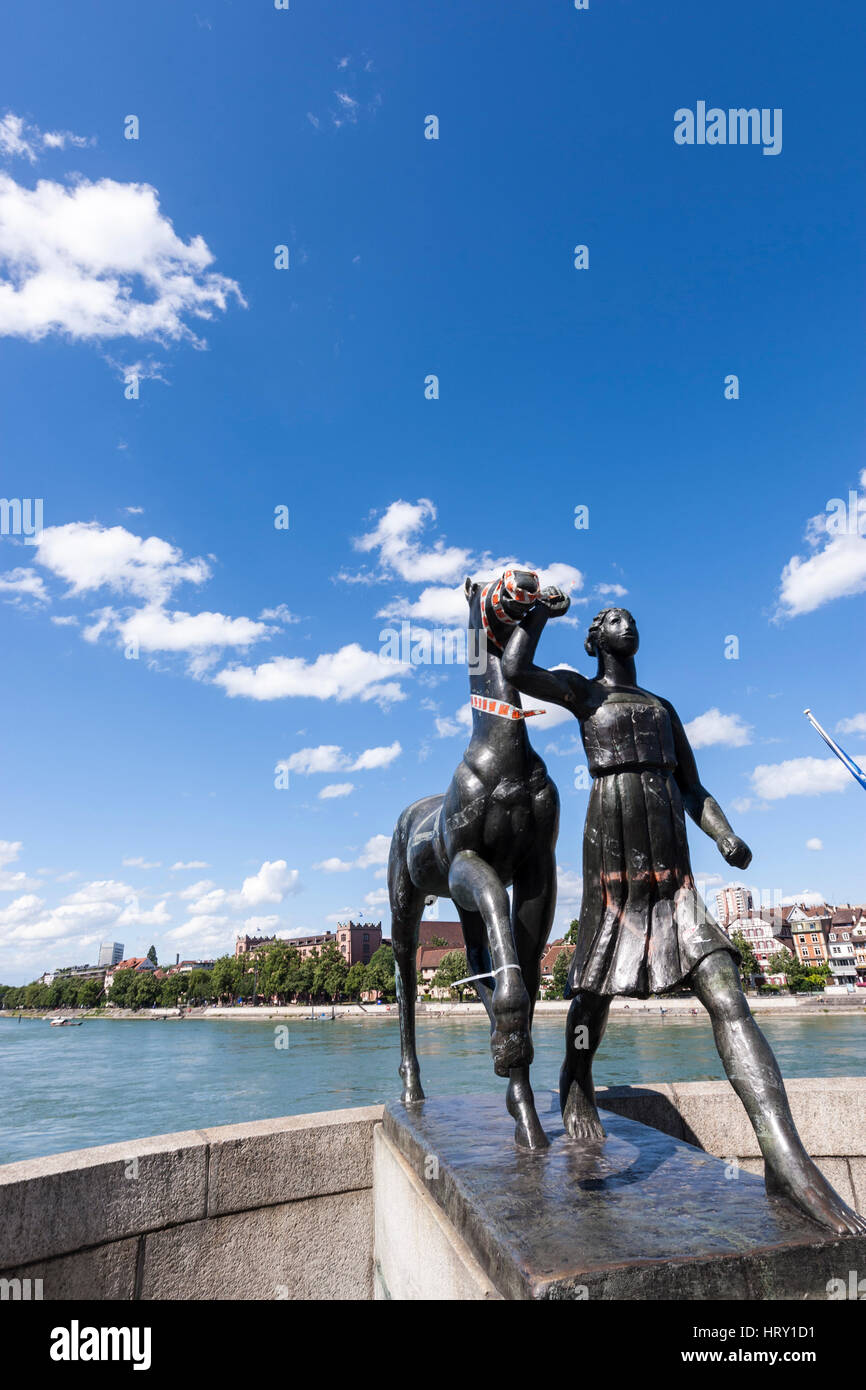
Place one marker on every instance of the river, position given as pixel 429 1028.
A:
pixel 112 1080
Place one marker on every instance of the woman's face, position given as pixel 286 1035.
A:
pixel 618 633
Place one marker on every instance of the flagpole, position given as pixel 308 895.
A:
pixel 856 771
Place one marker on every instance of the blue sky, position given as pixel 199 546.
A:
pixel 304 388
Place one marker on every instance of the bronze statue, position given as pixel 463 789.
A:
pixel 495 826
pixel 643 926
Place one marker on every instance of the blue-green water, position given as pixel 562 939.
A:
pixel 68 1088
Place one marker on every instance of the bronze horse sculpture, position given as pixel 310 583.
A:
pixel 495 827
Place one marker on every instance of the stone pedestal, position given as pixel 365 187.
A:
pixel 461 1213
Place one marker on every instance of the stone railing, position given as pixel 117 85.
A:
pixel 271 1210
pixel 283 1209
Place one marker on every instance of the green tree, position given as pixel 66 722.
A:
pixel 571 934
pixel 356 980
pixel 438 942
pixel 89 993
pixel 170 990
pixel 331 971
pixel 226 977
pixel 144 990
pixel 381 974
pixel 749 966
pixel 556 989
pixel 121 988
pixel 151 955
pixel 452 967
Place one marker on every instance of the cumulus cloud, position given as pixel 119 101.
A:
pixel 350 673
pixel 329 757
pixel 855 725
pixel 713 728
pixel 395 537
pixel 800 777
pixel 72 258
pixel 374 854
pixel 814 843
pixel 336 789
pixel 24 585
pixel 154 629
pixel 190 864
pixel 836 567
pixel 88 557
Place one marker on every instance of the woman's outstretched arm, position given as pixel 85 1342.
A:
pixel 566 688
pixel 704 810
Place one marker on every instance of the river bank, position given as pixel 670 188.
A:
pixel 682 1008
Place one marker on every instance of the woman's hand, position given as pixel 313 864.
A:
pixel 735 851
pixel 556 601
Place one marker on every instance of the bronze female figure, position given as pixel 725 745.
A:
pixel 643 926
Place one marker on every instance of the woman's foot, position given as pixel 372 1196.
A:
pixel 805 1185
pixel 579 1114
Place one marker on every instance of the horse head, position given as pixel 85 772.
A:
pixel 498 606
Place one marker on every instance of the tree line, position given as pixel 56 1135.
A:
pixel 277 974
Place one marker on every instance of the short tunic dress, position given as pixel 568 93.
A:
pixel 643 925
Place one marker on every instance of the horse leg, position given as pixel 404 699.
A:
pixel 477 955
pixel 534 903
pixel 474 886
pixel 407 907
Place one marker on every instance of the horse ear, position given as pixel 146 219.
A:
pixel 469 588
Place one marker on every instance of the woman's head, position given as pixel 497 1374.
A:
pixel 612 630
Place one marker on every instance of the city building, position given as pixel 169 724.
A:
pixel 732 902
pixel 552 952
pixel 843 960
pixel 809 928
pixel 449 932
pixel 765 940
pixel 110 952
pixel 356 941
pixel 427 961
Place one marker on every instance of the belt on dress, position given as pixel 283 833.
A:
pixel 632 767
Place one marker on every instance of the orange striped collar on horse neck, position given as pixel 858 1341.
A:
pixel 502 708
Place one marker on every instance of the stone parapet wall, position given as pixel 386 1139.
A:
pixel 283 1209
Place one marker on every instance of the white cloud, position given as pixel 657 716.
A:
pixel 334 866
pixel 569 886
pixel 808 898
pixel 195 890
pixel 375 852
pixel 800 777
pixel 88 556
pixel 395 538
pixel 814 843
pixel 191 864
pixel 713 727
pixel 836 569
pixel 271 884
pixel 377 898
pixel 140 863
pixel 855 725
pixel 23 140
pixel 23 584
pixel 155 630
pixel 73 256
pixel 329 757
pixel 336 789
pixel 350 673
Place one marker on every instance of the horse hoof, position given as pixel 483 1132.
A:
pixel 412 1092
pixel 510 1050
